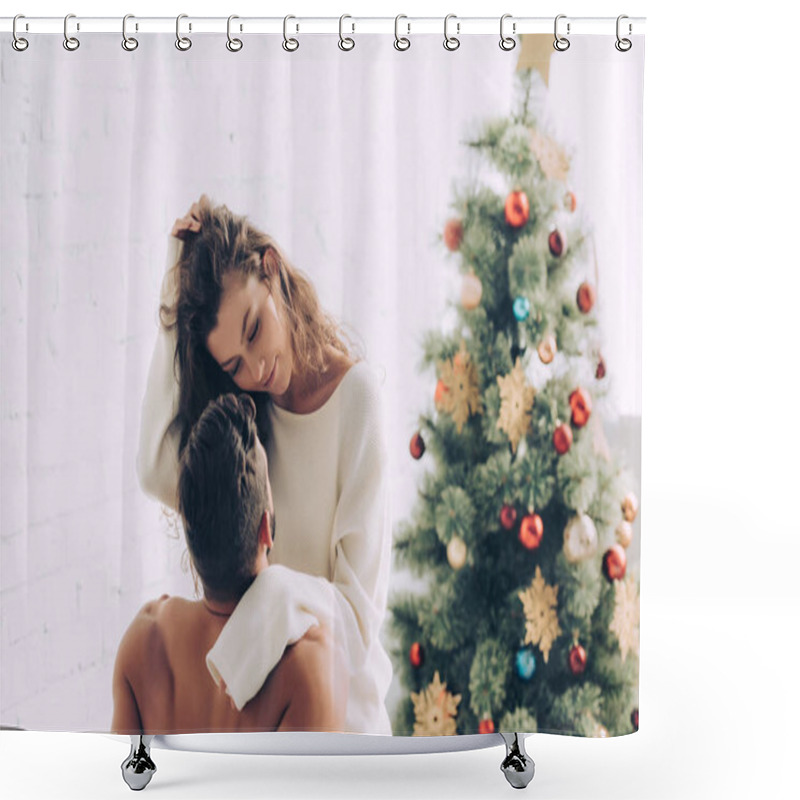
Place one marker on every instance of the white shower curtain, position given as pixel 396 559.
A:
pixel 347 161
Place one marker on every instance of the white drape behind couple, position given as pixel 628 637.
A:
pixel 347 159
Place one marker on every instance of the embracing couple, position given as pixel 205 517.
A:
pixel 265 432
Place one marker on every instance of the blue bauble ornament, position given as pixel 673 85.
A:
pixel 526 663
pixel 522 308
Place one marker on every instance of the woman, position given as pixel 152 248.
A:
pixel 236 316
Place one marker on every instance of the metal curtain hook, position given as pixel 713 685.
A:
pixel 346 43
pixel 19 44
pixel 289 45
pixel 560 43
pixel 234 45
pixel 623 45
pixel 70 42
pixel 401 43
pixel 128 42
pixel 181 42
pixel 506 42
pixel 451 42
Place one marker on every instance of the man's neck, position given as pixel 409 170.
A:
pixel 218 609
pixel 225 608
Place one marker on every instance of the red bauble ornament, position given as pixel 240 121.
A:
pixel 518 209
pixel 601 369
pixel 570 201
pixel 415 655
pixel 508 516
pixel 615 562
pixel 586 297
pixel 417 446
pixel 441 391
pixel 635 719
pixel 581 404
pixel 557 242
pixel 562 438
pixel 577 659
pixel 486 726
pixel 531 531
pixel 453 234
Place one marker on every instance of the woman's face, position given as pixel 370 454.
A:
pixel 251 342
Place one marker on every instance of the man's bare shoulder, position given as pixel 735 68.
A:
pixel 152 608
pixel 144 637
pixel 318 669
pixel 315 651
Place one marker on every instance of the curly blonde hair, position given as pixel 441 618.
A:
pixel 226 243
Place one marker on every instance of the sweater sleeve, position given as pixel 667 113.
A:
pixel 360 552
pixel 361 542
pixel 157 456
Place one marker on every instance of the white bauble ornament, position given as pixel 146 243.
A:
pixel 624 533
pixel 471 291
pixel 580 539
pixel 457 552
pixel 630 507
pixel 547 349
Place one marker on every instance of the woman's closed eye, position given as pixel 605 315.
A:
pixel 250 339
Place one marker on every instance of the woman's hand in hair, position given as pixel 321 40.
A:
pixel 191 222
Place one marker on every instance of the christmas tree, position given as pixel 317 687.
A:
pixel 530 616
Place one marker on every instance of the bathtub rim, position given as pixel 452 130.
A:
pixel 305 743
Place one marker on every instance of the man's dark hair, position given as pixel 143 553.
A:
pixel 222 495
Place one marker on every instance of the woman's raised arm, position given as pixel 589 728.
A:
pixel 157 457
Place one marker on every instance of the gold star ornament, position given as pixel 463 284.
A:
pixel 551 157
pixel 516 402
pixel 435 710
pixel 540 603
pixel 626 616
pixel 462 397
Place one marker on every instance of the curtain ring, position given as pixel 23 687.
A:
pixel 401 42
pixel 346 43
pixel 289 45
pixel 181 42
pixel 128 42
pixel 560 43
pixel 506 42
pixel 70 42
pixel 451 42
pixel 234 45
pixel 623 45
pixel 19 44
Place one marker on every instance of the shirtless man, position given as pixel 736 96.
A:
pixel 161 684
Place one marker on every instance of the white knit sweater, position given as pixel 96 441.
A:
pixel 328 471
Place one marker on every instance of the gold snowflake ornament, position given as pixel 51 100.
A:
pixel 435 710
pixel 516 398
pixel 551 157
pixel 463 397
pixel 626 615
pixel 540 602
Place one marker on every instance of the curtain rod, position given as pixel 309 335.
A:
pixel 461 26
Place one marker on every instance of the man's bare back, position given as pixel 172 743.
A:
pixel 162 685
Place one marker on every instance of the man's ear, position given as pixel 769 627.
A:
pixel 264 532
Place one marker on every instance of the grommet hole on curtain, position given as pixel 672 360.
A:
pixel 70 42
pixel 128 42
